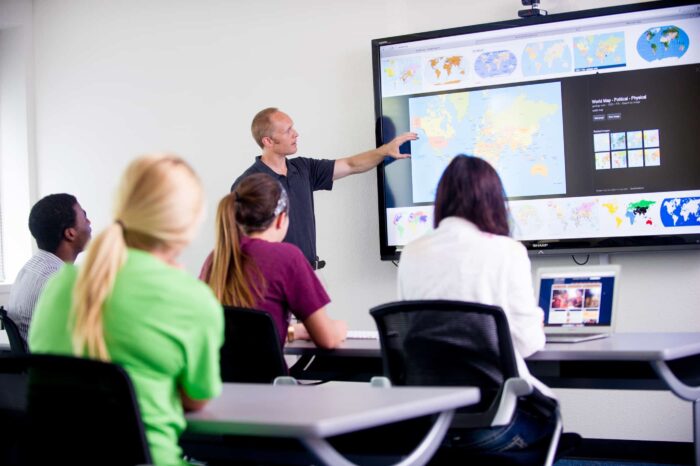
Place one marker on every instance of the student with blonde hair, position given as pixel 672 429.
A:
pixel 131 304
pixel 251 267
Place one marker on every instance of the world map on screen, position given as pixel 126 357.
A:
pixel 662 42
pixel 401 76
pixel 552 56
pixel 681 212
pixel 587 216
pixel 599 51
pixel 411 224
pixel 518 130
pixel 639 211
pixel 492 64
pixel 443 70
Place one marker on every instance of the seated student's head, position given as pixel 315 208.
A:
pixel 258 208
pixel 159 205
pixel 471 189
pixel 158 209
pixel 60 226
pixel 256 203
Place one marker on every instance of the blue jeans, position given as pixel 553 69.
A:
pixel 527 429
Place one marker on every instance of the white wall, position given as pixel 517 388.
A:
pixel 116 79
pixel 15 140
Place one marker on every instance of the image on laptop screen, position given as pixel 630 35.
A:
pixel 581 298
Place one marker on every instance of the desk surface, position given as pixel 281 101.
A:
pixel 620 346
pixel 356 348
pixel 625 347
pixel 320 411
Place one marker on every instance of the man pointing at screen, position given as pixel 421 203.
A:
pixel 274 132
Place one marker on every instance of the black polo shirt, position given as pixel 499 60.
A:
pixel 304 176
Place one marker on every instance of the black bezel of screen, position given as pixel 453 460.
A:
pixel 536 247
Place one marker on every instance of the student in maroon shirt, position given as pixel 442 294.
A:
pixel 251 266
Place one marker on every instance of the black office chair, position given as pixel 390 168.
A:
pixel 456 343
pixel 18 346
pixel 251 352
pixel 60 409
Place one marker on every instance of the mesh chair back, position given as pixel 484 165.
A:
pixel 63 409
pixel 18 346
pixel 446 343
pixel 252 352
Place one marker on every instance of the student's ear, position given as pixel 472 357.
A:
pixel 267 141
pixel 70 234
pixel 279 221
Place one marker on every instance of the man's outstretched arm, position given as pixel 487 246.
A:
pixel 367 160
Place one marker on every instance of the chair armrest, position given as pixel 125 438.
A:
pixel 502 408
pixel 380 381
pixel 513 388
pixel 285 380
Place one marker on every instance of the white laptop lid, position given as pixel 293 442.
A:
pixel 578 300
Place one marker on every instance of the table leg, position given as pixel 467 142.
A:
pixel 418 457
pixel 696 430
pixel 685 392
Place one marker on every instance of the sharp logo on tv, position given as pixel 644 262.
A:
pixel 583 115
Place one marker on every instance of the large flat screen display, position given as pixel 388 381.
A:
pixel 591 118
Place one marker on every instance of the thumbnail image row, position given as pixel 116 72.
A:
pixel 608 141
pixel 628 159
pixel 568 298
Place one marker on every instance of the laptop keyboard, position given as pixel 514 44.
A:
pixel 363 335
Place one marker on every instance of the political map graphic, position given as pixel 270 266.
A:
pixel 446 70
pixel 401 76
pixel 519 130
pixel 599 51
pixel 663 42
pixel 552 56
pixel 681 212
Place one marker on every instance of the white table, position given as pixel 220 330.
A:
pixel 636 361
pixel 313 413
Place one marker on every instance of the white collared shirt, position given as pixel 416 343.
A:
pixel 28 286
pixel 457 261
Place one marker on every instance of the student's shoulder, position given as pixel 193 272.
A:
pixel 505 242
pixel 143 269
pixel 183 283
pixel 289 251
pixel 64 277
pixel 193 296
pixel 513 246
pixel 288 258
pixel 504 246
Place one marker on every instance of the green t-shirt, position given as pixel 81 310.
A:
pixel 162 325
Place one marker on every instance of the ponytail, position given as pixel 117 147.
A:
pixel 95 280
pixel 228 278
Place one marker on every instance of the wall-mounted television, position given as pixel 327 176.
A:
pixel 591 118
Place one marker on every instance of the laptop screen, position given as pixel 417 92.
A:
pixel 578 298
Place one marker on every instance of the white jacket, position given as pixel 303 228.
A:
pixel 457 261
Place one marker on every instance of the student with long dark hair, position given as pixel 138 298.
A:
pixel 470 257
pixel 251 267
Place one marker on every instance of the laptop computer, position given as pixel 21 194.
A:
pixel 579 303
